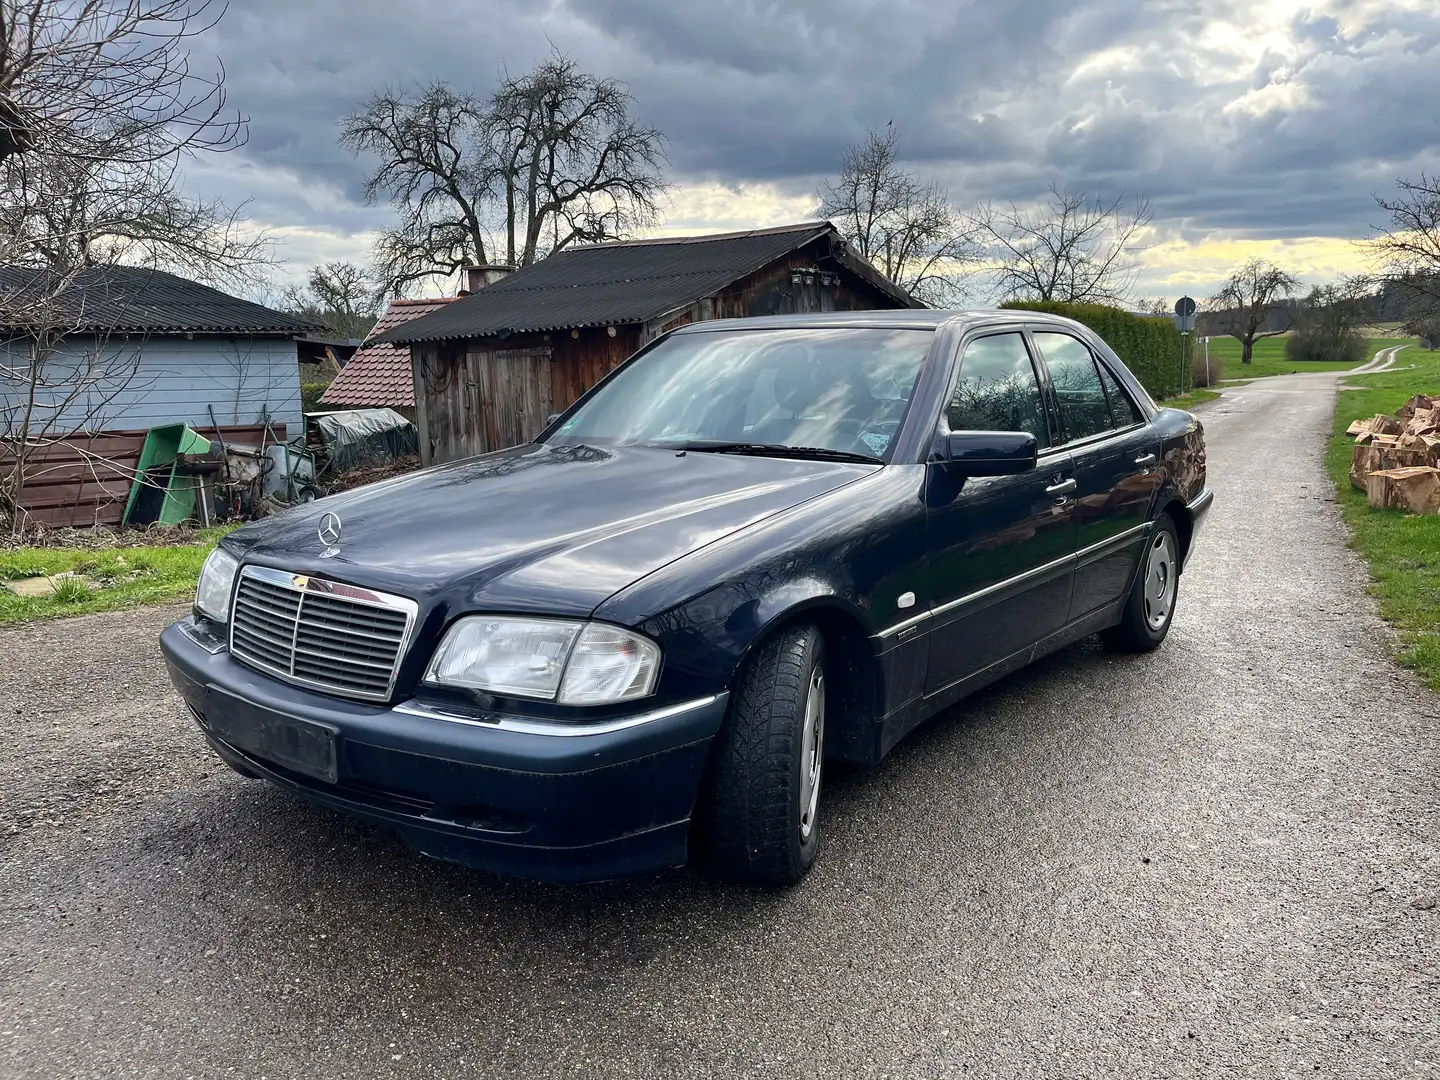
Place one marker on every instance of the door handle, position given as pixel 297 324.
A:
pixel 1145 460
pixel 1064 487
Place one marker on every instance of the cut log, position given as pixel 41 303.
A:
pixel 1415 491
pixel 1363 438
pixel 1359 427
pixel 1363 461
pixel 1424 422
pixel 1420 401
pixel 1384 424
pixel 1394 457
pixel 1385 440
pixel 1432 442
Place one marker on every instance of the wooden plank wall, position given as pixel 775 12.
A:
pixel 84 479
pixel 501 393
pixel 485 394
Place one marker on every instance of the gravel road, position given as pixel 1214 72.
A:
pixel 1218 860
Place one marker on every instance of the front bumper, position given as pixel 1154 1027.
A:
pixel 522 796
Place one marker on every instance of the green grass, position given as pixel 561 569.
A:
pixel 1403 550
pixel 113 577
pixel 1190 400
pixel 1269 357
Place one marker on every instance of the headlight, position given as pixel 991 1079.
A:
pixel 574 663
pixel 217 579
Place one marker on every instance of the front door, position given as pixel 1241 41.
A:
pixel 1116 458
pixel 999 547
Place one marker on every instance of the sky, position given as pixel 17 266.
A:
pixel 1253 127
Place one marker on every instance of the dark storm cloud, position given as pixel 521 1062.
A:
pixel 999 99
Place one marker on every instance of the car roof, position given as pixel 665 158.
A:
pixel 904 318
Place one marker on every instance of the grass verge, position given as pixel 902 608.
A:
pixel 1403 550
pixel 1190 400
pixel 109 578
pixel 1269 357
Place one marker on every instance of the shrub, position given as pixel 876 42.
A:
pixel 1321 343
pixel 1148 345
pixel 1199 376
pixel 310 395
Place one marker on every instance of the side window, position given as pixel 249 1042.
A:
pixel 1123 409
pixel 997 389
pixel 1076 381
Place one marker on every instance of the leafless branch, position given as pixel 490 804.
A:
pixel 905 226
pixel 1249 302
pixel 548 159
pixel 1074 246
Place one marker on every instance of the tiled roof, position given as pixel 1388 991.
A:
pixel 380 374
pixel 133 299
pixel 629 281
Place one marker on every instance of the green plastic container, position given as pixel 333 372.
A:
pixel 159 494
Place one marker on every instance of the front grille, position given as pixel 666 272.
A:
pixel 323 634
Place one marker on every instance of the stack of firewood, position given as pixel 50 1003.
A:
pixel 1397 458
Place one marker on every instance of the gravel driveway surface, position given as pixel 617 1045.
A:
pixel 1218 860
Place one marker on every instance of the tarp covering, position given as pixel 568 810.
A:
pixel 359 437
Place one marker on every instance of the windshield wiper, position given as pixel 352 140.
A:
pixel 810 453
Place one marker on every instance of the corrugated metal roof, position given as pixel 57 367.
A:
pixel 625 282
pixel 133 299
pixel 380 374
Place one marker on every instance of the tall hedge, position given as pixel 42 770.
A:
pixel 1148 346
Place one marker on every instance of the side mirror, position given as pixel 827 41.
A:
pixel 987 453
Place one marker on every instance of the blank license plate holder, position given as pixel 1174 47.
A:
pixel 302 746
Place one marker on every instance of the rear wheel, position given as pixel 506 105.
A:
pixel 1151 603
pixel 758 818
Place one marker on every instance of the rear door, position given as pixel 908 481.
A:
pixel 999 547
pixel 1116 455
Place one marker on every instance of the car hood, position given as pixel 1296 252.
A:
pixel 536 528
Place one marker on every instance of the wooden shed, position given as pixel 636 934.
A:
pixel 490 368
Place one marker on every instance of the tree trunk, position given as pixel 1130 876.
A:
pixel 1247 350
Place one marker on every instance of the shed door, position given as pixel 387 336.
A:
pixel 513 388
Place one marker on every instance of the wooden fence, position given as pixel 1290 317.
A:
pixel 83 479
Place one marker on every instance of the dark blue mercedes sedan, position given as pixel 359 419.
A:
pixel 755 547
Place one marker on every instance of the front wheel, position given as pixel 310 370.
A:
pixel 1151 603
pixel 758 814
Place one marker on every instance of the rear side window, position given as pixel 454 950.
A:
pixel 1084 405
pixel 997 389
pixel 1123 409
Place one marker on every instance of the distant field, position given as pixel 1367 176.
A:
pixel 1270 359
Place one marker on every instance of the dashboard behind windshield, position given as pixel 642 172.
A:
pixel 840 389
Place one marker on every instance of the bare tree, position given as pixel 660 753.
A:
pixel 905 226
pixel 1409 247
pixel 98 106
pixel 1074 246
pixel 1408 252
pixel 109 80
pixel 339 295
pixel 548 159
pixel 1329 323
pixel 1248 305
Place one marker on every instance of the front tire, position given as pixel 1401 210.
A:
pixel 758 812
pixel 1151 604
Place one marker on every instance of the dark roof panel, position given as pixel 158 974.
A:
pixel 625 282
pixel 133 299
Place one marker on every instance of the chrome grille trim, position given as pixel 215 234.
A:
pixel 325 635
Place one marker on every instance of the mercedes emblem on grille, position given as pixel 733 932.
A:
pixel 330 527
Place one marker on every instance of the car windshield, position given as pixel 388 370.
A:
pixel 842 391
